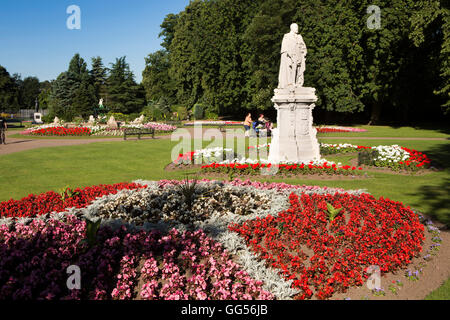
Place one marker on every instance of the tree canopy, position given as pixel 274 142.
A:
pixel 226 54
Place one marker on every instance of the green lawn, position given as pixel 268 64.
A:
pixel 400 132
pixel 40 170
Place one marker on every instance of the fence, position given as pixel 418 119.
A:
pixel 27 114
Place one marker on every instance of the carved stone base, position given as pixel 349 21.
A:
pixel 294 139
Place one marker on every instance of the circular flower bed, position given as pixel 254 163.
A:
pixel 202 240
pixel 324 242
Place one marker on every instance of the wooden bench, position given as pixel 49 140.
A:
pixel 138 132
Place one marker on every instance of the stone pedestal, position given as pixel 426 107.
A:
pixel 295 139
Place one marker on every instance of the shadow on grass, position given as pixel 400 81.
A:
pixel 439 127
pixel 437 197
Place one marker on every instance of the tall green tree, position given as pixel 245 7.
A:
pixel 29 92
pixel 125 95
pixel 99 75
pixel 9 92
pixel 73 92
pixel 155 77
pixel 60 103
pixel 431 25
pixel 44 95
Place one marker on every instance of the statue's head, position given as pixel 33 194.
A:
pixel 294 28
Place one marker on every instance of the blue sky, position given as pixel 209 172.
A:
pixel 35 41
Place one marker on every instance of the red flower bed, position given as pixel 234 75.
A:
pixel 48 202
pixel 417 158
pixel 322 255
pixel 61 131
pixel 185 157
pixel 282 168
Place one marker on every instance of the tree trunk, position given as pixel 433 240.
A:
pixel 375 115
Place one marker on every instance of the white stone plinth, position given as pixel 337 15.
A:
pixel 295 139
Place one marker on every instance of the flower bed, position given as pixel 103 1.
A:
pixel 393 157
pixel 34 259
pixel 325 251
pixel 185 203
pixel 34 205
pixel 302 168
pixel 339 129
pixel 224 161
pixel 95 130
pixel 173 239
pixel 58 131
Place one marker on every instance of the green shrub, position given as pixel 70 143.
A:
pixel 132 117
pixel 182 112
pixel 117 116
pixel 48 118
pixel 78 120
pixel 210 115
pixel 158 115
pixel 367 157
pixel 198 111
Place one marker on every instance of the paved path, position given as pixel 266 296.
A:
pixel 22 144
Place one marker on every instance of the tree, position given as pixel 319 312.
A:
pixel 29 91
pixel 8 92
pixel 431 23
pixel 155 77
pixel 168 30
pixel 225 54
pixel 84 99
pixel 60 103
pixel 73 92
pixel 44 95
pixel 99 76
pixel 125 95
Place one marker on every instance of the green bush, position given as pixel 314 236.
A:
pixel 48 118
pixel 117 116
pixel 210 115
pixel 132 117
pixel 182 113
pixel 78 120
pixel 157 115
pixel 367 157
pixel 198 111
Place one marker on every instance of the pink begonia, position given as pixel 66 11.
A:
pixel 27 252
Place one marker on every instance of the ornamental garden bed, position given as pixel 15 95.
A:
pixel 214 240
pixel 250 173
pixel 336 129
pixel 51 130
pixel 222 161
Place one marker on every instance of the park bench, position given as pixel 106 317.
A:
pixel 138 132
pixel 17 123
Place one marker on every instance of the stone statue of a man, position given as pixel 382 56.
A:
pixel 293 53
